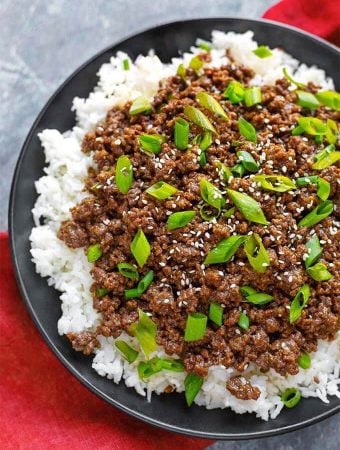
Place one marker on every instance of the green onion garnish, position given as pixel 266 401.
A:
pixel 289 78
pixel 181 133
pixel 209 213
pixel 317 214
pixel 305 181
pixel 205 46
pixel 141 287
pixel 262 51
pixel 151 143
pixel 224 171
pixel 100 292
pixel 195 327
pixel 314 251
pixel 247 130
pixel 156 364
pixel 327 157
pixel 291 397
pixel 94 252
pixel 260 298
pixel 179 219
pixel 332 131
pixel 126 64
pixel 216 313
pixel 277 183
pixel 252 96
pixel 243 321
pixel 315 127
pixel 140 105
pixel 124 174
pixel 202 159
pixel 247 290
pixel 319 272
pixel 331 99
pixel 256 253
pixel 234 92
pixel 196 63
pixel 238 170
pixel 307 100
pixel 140 248
pixel 192 384
pixel 206 141
pixel 247 161
pixel 298 303
pixel 181 71
pixel 211 194
pixel 145 331
pixel 161 190
pixel 224 250
pixel 211 104
pixel 197 117
pixel 129 353
pixel 249 207
pixel 324 188
pixel 128 270
pixel 229 212
pixel 304 360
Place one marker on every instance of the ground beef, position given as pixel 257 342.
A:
pixel 182 284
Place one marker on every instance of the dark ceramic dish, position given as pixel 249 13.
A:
pixel 166 411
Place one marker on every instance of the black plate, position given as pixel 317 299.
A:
pixel 167 411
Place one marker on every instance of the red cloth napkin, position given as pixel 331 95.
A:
pixel 42 406
pixel 320 17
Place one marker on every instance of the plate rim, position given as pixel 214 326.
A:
pixel 25 296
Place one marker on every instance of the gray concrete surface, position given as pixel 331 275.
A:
pixel 42 42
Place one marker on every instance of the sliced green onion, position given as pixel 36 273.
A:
pixel 206 141
pixel 247 290
pixel 216 313
pixel 100 292
pixel 248 161
pixel 319 272
pixel 181 133
pixel 317 214
pixel 252 96
pixel 179 219
pixel 277 183
pixel 151 143
pixel 256 253
pixel 249 207
pixel 198 118
pixel 140 248
pixel 260 298
pixel 324 189
pixel 298 303
pixel 211 194
pixel 229 212
pixel 247 130
pixel 94 252
pixel 327 157
pixel 224 250
pixel 141 287
pixel 310 125
pixel 332 131
pixel 126 64
pixel 307 100
pixel 148 368
pixel 205 45
pixel 174 365
pixel 145 331
pixel 291 397
pixel 331 99
pixel 124 174
pixel 192 385
pixel 211 104
pixel 209 213
pixel 195 327
pixel 304 360
pixel 128 270
pixel 140 105
pixel 238 170
pixel 202 159
pixel 305 181
pixel 314 251
pixel 129 353
pixel 243 321
pixel 224 171
pixel 289 78
pixel 234 92
pixel 181 71
pixel 262 51
pixel 196 63
pixel 161 190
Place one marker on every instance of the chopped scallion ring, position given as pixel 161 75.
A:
pixel 224 250
pixel 262 51
pixel 192 385
pixel 181 133
pixel 234 92
pixel 319 272
pixel 100 292
pixel 247 130
pixel 243 321
pixel 331 99
pixel 126 64
pixel 195 327
pixel 276 183
pixel 291 397
pixel 211 104
pixel 140 105
pixel 161 190
pixel 140 248
pixel 145 331
pixel 129 353
pixel 252 96
pixel 327 157
pixel 314 251
pixel 247 161
pixel 257 255
pixel 249 207
pixel 128 270
pixel 196 116
pixel 141 287
pixel 211 194
pixel 317 214
pixel 298 303
pixel 179 219
pixel 307 100
pixel 196 63
pixel 304 360
pixel 94 252
pixel 216 313
pixel 260 298
pixel 151 143
pixel 124 174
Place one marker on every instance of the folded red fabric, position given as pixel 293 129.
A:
pixel 318 17
pixel 43 406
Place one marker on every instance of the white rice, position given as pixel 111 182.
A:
pixel 68 270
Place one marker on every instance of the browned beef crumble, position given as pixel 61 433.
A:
pixel 182 283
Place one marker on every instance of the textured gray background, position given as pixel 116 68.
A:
pixel 42 42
